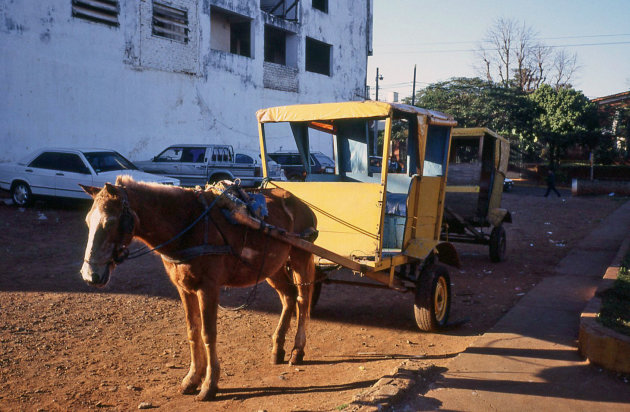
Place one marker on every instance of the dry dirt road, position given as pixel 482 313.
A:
pixel 65 346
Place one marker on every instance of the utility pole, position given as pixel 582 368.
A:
pixel 413 93
pixel 378 77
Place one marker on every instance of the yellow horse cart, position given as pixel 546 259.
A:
pixel 477 167
pixel 381 222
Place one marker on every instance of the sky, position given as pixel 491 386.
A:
pixel 440 37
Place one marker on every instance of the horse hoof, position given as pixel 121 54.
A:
pixel 189 385
pixel 278 357
pixel 207 394
pixel 188 389
pixel 296 358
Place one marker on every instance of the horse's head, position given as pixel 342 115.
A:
pixel 111 224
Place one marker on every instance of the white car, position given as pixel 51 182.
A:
pixel 58 172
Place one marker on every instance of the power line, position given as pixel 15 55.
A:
pixel 494 49
pixel 440 43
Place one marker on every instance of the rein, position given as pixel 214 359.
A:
pixel 144 250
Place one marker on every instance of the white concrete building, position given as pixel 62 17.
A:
pixel 138 75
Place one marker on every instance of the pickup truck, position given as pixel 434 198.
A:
pixel 198 164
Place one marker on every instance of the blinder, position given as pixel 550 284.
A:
pixel 127 221
pixel 126 225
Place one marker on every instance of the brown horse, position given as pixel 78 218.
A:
pixel 212 254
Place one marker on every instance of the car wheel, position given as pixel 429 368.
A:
pixel 217 178
pixel 21 194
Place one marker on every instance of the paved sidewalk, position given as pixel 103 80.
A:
pixel 529 360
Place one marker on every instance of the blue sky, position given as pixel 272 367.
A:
pixel 438 37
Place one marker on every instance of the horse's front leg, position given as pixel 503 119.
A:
pixel 208 297
pixel 304 276
pixel 287 294
pixel 197 352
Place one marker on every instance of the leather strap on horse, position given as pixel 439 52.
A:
pixel 144 251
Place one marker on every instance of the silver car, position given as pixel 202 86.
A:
pixel 57 172
pixel 253 158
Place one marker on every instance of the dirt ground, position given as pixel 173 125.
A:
pixel 66 346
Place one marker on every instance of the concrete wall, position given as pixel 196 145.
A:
pixel 66 81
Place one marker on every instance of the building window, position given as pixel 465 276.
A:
pixel 318 56
pixel 321 5
pixel 275 46
pixel 100 11
pixel 170 23
pixel 230 32
pixel 285 9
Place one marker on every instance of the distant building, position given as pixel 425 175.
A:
pixel 137 76
pixel 614 117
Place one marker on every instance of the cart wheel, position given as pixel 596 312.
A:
pixel 433 298
pixel 317 290
pixel 497 244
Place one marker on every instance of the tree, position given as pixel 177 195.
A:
pixel 474 102
pixel 511 55
pixel 566 117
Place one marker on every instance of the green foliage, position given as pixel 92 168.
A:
pixel 541 124
pixel 566 117
pixel 615 311
pixel 474 102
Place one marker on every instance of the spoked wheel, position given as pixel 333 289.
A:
pixel 433 298
pixel 498 243
pixel 21 194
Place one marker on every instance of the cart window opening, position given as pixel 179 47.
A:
pixel 398 161
pixel 304 153
pixel 464 151
pixel 435 151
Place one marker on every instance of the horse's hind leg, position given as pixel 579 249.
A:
pixel 209 302
pixel 304 275
pixel 288 294
pixel 197 353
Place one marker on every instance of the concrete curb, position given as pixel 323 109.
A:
pixel 599 344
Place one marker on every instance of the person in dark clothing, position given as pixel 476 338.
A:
pixel 551 183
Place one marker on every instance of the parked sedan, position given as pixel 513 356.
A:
pixel 58 173
pixel 242 156
pixel 291 163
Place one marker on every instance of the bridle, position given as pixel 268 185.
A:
pixel 126 225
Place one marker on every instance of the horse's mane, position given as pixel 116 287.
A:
pixel 155 192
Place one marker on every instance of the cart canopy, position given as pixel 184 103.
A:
pixel 344 110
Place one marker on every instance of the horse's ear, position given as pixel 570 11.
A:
pixel 111 189
pixel 90 190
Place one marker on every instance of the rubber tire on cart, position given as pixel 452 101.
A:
pixel 21 194
pixel 317 291
pixel 498 243
pixel 433 298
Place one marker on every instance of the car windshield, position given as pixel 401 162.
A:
pixel 324 160
pixel 108 161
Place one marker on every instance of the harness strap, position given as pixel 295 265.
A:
pixel 182 256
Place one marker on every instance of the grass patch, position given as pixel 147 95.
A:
pixel 615 312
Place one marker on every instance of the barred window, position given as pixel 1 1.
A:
pixel 99 11
pixel 170 22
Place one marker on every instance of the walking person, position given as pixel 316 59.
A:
pixel 551 183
